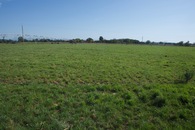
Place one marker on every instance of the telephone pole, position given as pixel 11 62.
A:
pixel 22 34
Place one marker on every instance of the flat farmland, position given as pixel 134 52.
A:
pixel 96 86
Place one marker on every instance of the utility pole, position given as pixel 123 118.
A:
pixel 22 34
pixel 142 38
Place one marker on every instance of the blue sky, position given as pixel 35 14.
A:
pixel 155 20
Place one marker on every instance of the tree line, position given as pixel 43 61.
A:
pixel 101 40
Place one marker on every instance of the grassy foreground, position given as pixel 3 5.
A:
pixel 83 86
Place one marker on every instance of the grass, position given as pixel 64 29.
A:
pixel 91 86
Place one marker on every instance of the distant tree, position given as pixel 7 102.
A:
pixel 101 39
pixel 148 42
pixel 77 40
pixel 89 40
pixel 35 40
pixel 161 43
pixel 180 43
pixel 20 39
pixel 187 43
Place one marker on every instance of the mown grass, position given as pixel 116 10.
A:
pixel 91 86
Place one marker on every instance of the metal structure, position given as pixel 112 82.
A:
pixel 22 34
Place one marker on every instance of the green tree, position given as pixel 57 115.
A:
pixel 89 40
pixel 77 40
pixel 187 43
pixel 148 42
pixel 180 43
pixel 101 39
pixel 20 39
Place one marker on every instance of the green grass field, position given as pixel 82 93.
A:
pixel 96 86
